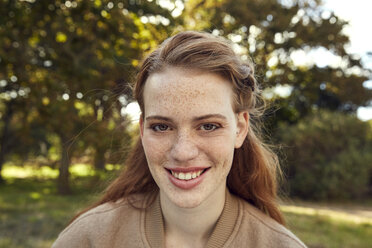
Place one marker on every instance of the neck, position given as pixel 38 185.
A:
pixel 192 226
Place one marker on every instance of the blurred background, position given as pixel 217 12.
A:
pixel 67 119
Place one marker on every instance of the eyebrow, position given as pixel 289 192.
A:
pixel 199 118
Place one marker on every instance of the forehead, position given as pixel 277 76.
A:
pixel 186 90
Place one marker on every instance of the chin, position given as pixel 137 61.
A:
pixel 184 199
pixel 187 203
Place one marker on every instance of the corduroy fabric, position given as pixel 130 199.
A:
pixel 120 225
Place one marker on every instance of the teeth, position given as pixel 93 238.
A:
pixel 187 175
pixel 181 176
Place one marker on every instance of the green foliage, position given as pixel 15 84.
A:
pixel 327 156
pixel 271 32
pixel 324 160
pixel 65 67
pixel 70 63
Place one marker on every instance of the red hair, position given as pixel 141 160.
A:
pixel 255 167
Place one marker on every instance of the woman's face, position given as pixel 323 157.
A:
pixel 189 132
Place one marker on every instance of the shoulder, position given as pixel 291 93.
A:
pixel 106 214
pixel 266 232
pixel 100 224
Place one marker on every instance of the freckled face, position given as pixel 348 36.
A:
pixel 189 131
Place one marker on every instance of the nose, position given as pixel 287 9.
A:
pixel 184 148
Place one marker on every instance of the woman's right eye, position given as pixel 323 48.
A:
pixel 159 127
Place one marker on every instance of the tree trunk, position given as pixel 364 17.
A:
pixel 5 136
pixel 63 183
pixel 2 181
pixel 99 160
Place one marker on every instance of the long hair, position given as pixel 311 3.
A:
pixel 255 167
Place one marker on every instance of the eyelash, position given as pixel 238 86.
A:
pixel 214 127
pixel 154 127
pixel 157 127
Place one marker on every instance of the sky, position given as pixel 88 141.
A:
pixel 359 14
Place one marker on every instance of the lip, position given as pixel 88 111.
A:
pixel 187 184
pixel 186 169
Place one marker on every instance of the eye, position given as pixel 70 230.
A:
pixel 209 127
pixel 159 127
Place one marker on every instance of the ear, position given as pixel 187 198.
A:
pixel 242 128
pixel 141 125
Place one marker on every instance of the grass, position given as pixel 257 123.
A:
pixel 329 228
pixel 32 213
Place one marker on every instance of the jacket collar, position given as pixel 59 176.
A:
pixel 226 223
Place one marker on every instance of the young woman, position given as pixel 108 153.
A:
pixel 199 176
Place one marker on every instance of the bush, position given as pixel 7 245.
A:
pixel 327 156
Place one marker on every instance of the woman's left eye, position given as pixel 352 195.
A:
pixel 209 127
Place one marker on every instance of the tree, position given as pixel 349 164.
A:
pixel 328 156
pixel 76 57
pixel 14 72
pixel 273 32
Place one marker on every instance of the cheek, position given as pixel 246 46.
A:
pixel 222 152
pixel 155 149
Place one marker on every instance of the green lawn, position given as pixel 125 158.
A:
pixel 32 214
pixel 326 231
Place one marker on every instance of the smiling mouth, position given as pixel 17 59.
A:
pixel 187 175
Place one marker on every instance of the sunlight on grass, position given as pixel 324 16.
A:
pixel 32 213
pixel 45 172
pixel 331 214
pixel 12 171
pixel 81 170
pixel 35 195
pixel 111 167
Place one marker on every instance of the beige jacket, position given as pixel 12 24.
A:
pixel 120 225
